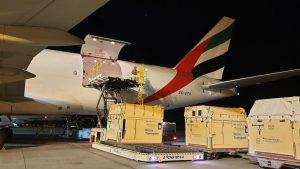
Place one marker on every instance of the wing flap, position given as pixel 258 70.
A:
pixel 8 75
pixel 247 81
pixel 64 14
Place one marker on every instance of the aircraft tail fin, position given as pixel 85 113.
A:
pixel 218 74
pixel 214 44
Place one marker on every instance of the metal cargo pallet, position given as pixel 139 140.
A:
pixel 276 161
pixel 151 152
pixel 219 150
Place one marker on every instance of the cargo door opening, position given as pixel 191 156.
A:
pixel 102 71
pixel 100 63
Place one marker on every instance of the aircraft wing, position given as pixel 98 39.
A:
pixel 27 27
pixel 247 81
pixel 60 14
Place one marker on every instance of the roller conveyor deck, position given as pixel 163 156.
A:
pixel 150 152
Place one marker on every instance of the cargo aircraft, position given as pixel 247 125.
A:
pixel 35 80
pixel 67 82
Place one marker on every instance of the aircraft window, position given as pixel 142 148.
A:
pixel 199 112
pixel 193 113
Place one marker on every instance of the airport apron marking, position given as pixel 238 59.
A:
pixel 183 76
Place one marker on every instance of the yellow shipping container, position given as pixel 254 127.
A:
pixel 274 128
pixel 133 123
pixel 216 128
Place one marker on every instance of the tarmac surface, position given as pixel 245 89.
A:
pixel 69 154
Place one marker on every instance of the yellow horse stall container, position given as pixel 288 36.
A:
pixel 216 129
pixel 274 129
pixel 134 123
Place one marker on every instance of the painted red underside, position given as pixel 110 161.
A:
pixel 183 76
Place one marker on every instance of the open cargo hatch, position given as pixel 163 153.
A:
pixel 100 66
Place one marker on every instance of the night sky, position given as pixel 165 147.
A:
pixel 265 39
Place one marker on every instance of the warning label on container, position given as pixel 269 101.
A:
pixel 271 127
pixel 150 123
pixel 150 132
pixel 271 140
pixel 238 136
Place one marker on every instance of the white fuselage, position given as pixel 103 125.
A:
pixel 57 87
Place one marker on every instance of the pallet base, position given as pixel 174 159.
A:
pixel 272 161
pixel 219 150
pixel 150 157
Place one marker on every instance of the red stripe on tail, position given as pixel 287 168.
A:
pixel 183 76
pixel 190 59
pixel 179 81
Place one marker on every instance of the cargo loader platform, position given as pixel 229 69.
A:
pixel 150 152
pixel 135 131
